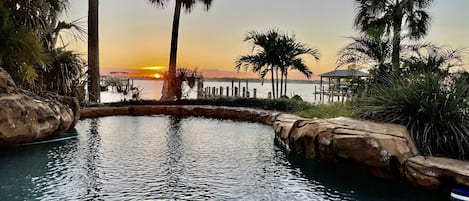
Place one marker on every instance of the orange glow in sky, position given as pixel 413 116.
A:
pixel 212 41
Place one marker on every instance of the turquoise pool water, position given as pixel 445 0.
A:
pixel 162 157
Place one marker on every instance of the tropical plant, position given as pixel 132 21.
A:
pixel 291 50
pixel 170 86
pixel 264 57
pixel 20 49
pixel 64 72
pixel 394 18
pixel 428 57
pixel 185 75
pixel 372 52
pixel 434 110
pixel 28 39
pixel 272 52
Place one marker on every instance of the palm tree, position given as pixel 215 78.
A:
pixel 290 58
pixel 372 51
pixel 383 17
pixel 20 48
pixel 265 49
pixel 169 87
pixel 273 52
pixel 427 57
pixel 93 51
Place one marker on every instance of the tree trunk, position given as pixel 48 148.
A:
pixel 396 45
pixel 170 86
pixel 281 84
pixel 286 79
pixel 276 80
pixel 93 51
pixel 272 80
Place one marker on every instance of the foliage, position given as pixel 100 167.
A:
pixel 428 57
pixel 273 51
pixel 372 52
pixel 63 72
pixel 20 49
pixel 185 75
pixel 396 19
pixel 434 112
pixel 29 31
pixel 328 111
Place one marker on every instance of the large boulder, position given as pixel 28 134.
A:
pixel 436 172
pixel 383 148
pixel 27 117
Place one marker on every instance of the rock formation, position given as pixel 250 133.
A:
pixel 27 117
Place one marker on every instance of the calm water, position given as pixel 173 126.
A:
pixel 152 90
pixel 161 157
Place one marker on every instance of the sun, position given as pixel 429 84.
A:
pixel 157 75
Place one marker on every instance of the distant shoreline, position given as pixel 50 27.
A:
pixel 252 80
pixel 257 80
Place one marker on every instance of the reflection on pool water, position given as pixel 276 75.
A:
pixel 162 157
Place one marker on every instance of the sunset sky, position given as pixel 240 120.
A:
pixel 136 34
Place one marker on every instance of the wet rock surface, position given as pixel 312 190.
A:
pixel 27 117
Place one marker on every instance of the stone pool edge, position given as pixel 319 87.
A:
pixel 383 150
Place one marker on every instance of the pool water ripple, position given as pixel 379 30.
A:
pixel 162 157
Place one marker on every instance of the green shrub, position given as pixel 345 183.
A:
pixel 328 111
pixel 434 113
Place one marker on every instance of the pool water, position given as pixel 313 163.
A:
pixel 163 157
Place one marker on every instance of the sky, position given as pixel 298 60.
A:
pixel 136 34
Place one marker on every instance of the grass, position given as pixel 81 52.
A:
pixel 328 111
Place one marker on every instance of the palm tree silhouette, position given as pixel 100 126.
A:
pixel 290 58
pixel 373 51
pixel 265 54
pixel 273 52
pixel 169 87
pixel 383 17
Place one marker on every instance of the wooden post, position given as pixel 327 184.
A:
pixel 213 92
pixel 315 92
pixel 221 91
pixel 236 92
pixel 232 88
pixel 320 90
pixel 255 93
pixel 247 85
pixel 227 91
pixel 244 92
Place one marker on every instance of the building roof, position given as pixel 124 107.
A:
pixel 344 73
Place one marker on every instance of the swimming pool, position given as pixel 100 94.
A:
pixel 163 157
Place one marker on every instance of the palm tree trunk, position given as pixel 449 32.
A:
pixel 281 84
pixel 93 51
pixel 169 86
pixel 396 45
pixel 276 79
pixel 286 79
pixel 272 80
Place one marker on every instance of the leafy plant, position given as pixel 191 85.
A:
pixel 434 112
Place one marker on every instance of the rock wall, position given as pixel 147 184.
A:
pixel 383 150
pixel 26 117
